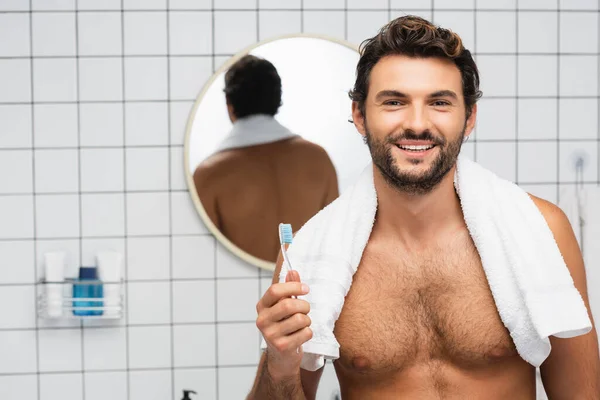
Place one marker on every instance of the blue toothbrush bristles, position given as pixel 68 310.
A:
pixel 285 233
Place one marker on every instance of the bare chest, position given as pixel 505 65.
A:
pixel 402 311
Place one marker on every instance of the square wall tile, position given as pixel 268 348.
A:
pixel 234 30
pixel 236 299
pixel 193 301
pixel 578 4
pixel 57 216
pixel 148 214
pixel 326 4
pixel 99 33
pixel 411 4
pixel 51 5
pixel 16 387
pixel 190 4
pixel 180 112
pixel 149 347
pixel 20 317
pixel 188 76
pixel 243 378
pixel 234 4
pixel 496 119
pixel 456 4
pixel 538 4
pixel 20 162
pixel 578 75
pixel 15 80
pixel 53 34
pixel 14 5
pixel 193 257
pixel 146 124
pixel 61 386
pixel 145 33
pixel 91 247
pixel 375 4
pixel 537 162
pixel 202 381
pixel 577 25
pixel 101 124
pixel 17 352
pixel 461 22
pixel 502 4
pixel 185 25
pixel 290 4
pixel 184 217
pixel 19 255
pixel 230 265
pixel 148 258
pixel 331 23
pixel 55 125
pixel 56 171
pixel 147 168
pixel 238 344
pixel 178 179
pixel 15 26
pixel 496 32
pixel 105 385
pixel 145 4
pixel 534 122
pixel 99 5
pixel 278 23
pixel 104 348
pixel 155 385
pixel 100 79
pixel 102 170
pixel 538 32
pixel 149 303
pixel 537 75
pixel 364 24
pixel 500 158
pixel 498 75
pixel 16 214
pixel 578 118
pixel 102 214
pixel 146 78
pixel 17 126
pixel 570 152
pixel 60 350
pixel 54 79
pixel 194 345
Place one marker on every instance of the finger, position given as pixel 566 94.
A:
pixel 290 343
pixel 293 324
pixel 286 308
pixel 292 276
pixel 277 291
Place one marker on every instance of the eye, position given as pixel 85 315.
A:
pixel 441 103
pixel 393 103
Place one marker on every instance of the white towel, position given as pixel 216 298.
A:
pixel 254 130
pixel 531 285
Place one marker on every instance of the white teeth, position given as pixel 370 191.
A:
pixel 416 148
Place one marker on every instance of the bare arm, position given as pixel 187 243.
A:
pixel 268 385
pixel 572 370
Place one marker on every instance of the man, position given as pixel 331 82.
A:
pixel 419 321
pixel 262 174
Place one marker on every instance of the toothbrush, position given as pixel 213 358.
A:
pixel 285 238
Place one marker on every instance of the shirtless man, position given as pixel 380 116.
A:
pixel 419 321
pixel 248 191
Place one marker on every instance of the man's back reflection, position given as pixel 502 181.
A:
pixel 262 174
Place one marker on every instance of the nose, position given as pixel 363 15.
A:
pixel 416 119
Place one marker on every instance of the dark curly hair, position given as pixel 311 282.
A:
pixel 415 37
pixel 253 86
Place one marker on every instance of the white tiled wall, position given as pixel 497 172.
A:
pixel 94 96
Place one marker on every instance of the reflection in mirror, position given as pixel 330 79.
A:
pixel 269 141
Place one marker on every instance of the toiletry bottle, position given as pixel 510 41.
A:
pixel 186 394
pixel 87 287
pixel 54 268
pixel 111 272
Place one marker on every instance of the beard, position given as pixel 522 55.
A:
pixel 409 182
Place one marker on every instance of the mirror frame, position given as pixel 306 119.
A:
pixel 245 256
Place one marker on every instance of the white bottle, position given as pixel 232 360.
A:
pixel 110 271
pixel 54 268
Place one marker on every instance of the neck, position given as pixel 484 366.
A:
pixel 417 219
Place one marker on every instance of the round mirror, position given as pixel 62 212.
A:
pixel 269 141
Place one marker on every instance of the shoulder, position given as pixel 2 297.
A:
pixel 214 167
pixel 555 217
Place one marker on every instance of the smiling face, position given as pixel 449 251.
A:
pixel 415 120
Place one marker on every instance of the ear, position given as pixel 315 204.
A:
pixel 471 121
pixel 358 118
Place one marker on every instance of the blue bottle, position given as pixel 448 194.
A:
pixel 91 290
